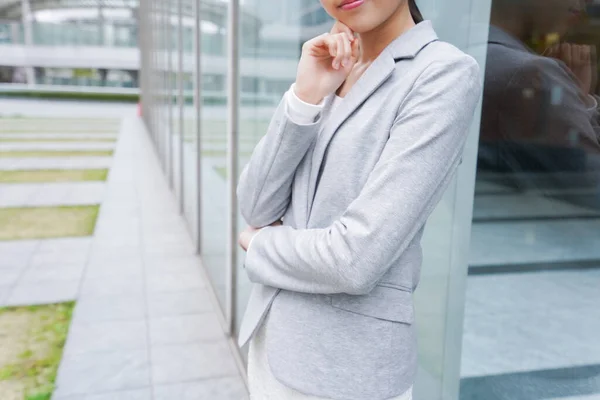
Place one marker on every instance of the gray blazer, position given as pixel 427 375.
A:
pixel 354 191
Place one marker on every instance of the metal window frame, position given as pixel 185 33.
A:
pixel 198 104
pixel 169 131
pixel 233 12
pixel 180 105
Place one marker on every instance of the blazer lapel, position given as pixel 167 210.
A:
pixel 406 46
pixel 371 79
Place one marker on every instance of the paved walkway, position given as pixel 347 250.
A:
pixel 53 135
pixel 41 271
pixel 66 108
pixel 144 326
pixel 58 146
pixel 51 194
pixel 9 163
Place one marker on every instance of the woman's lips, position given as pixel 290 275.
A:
pixel 351 5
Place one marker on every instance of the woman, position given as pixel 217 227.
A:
pixel 355 159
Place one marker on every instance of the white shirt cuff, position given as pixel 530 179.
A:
pixel 300 112
pixel 593 103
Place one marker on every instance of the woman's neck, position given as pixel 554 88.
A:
pixel 513 24
pixel 376 40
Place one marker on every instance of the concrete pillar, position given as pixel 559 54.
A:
pixel 26 18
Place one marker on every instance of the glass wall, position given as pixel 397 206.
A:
pixel 189 26
pixel 508 306
pixel 532 313
pixel 213 143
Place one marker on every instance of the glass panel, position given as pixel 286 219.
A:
pixel 439 299
pixel 163 55
pixel 190 134
pixel 532 317
pixel 175 112
pixel 213 143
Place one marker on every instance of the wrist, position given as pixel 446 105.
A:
pixel 307 96
pixel 591 102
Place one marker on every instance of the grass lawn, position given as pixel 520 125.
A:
pixel 31 345
pixel 53 175
pixel 61 153
pixel 47 222
pixel 57 140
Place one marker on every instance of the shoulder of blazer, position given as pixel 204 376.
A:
pixel 411 42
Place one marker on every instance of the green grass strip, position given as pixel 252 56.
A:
pixel 61 153
pixel 33 339
pixel 47 222
pixel 53 175
pixel 109 97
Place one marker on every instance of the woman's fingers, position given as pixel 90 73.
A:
pixel 332 46
pixel 585 54
pixel 340 47
pixel 347 51
pixel 565 54
pixel 576 56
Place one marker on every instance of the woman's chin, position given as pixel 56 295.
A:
pixel 358 25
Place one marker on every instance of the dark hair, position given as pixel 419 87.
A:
pixel 414 11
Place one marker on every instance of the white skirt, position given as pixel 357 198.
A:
pixel 264 386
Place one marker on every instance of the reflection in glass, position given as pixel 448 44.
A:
pixel 531 318
pixel 190 116
pixel 176 120
pixel 213 143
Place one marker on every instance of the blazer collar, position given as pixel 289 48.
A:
pixel 411 42
pixel 406 46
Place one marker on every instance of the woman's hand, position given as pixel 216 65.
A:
pixel 325 63
pixel 246 236
pixel 581 60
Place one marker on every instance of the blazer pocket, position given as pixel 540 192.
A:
pixel 384 302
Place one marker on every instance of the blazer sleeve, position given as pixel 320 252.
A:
pixel 416 166
pixel 265 185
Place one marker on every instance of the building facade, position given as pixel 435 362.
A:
pixel 508 305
